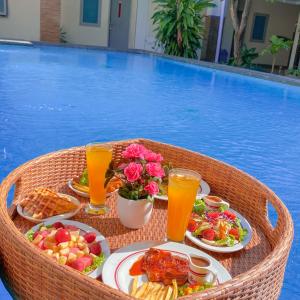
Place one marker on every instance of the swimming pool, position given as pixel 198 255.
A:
pixel 53 98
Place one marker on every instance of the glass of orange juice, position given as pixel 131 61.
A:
pixel 182 191
pixel 98 157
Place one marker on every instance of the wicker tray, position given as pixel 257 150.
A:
pixel 257 271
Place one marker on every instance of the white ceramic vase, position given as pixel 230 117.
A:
pixel 134 214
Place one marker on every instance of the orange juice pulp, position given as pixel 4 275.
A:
pixel 98 160
pixel 182 191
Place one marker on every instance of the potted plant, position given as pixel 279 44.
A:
pixel 141 173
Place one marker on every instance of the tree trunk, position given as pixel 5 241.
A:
pixel 179 33
pixel 239 26
pixel 273 63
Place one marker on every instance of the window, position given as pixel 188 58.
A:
pixel 259 27
pixel 3 7
pixel 90 12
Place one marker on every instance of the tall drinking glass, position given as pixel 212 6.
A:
pixel 98 157
pixel 182 191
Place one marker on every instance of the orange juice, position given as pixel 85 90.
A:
pixel 182 191
pixel 98 159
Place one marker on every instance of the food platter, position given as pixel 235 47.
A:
pixel 83 230
pixel 203 190
pixel 61 216
pixel 116 268
pixel 225 249
pixel 84 194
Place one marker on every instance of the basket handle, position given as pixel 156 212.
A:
pixel 284 224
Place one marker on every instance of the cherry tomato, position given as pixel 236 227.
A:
pixel 90 237
pixel 95 248
pixel 213 215
pixel 62 235
pixel 192 226
pixel 208 234
pixel 235 233
pixel 229 215
pixel 58 225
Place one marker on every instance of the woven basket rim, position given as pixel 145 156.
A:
pixel 275 255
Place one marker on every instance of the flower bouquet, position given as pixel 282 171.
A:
pixel 141 172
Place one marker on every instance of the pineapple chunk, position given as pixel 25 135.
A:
pixel 72 257
pixel 51 235
pixel 62 260
pixel 73 238
pixel 48 252
pixel 75 233
pixel 55 248
pixel 81 246
pixel 43 228
pixel 64 251
pixel 80 254
pixel 86 250
pixel 71 244
pixel 80 239
pixel 37 239
pixel 63 245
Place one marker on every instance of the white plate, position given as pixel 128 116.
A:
pixel 116 268
pixel 62 216
pixel 203 190
pixel 83 194
pixel 84 229
pixel 234 248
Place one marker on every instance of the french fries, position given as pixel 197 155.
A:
pixel 154 290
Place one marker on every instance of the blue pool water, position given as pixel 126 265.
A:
pixel 53 98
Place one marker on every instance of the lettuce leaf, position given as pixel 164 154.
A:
pixel 84 179
pixel 30 234
pixel 243 233
pixel 97 262
pixel 228 241
pixel 199 206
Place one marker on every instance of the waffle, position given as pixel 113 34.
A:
pixel 44 203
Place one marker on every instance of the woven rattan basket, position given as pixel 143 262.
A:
pixel 257 271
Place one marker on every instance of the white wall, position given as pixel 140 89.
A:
pixel 22 22
pixel 282 21
pixel 83 34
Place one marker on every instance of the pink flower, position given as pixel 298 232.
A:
pixel 134 151
pixel 155 170
pixel 152 188
pixel 152 156
pixel 133 171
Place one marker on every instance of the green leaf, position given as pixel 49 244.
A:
pixel 185 16
pixel 84 179
pixel 30 234
pixel 97 262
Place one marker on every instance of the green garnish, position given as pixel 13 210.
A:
pixel 199 206
pixel 243 232
pixel 84 179
pixel 188 289
pixel 228 241
pixel 30 234
pixel 97 262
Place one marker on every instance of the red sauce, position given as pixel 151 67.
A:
pixel 136 268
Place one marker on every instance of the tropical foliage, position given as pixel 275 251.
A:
pixel 246 59
pixel 179 25
pixel 276 45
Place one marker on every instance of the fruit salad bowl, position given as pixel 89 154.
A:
pixel 257 271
